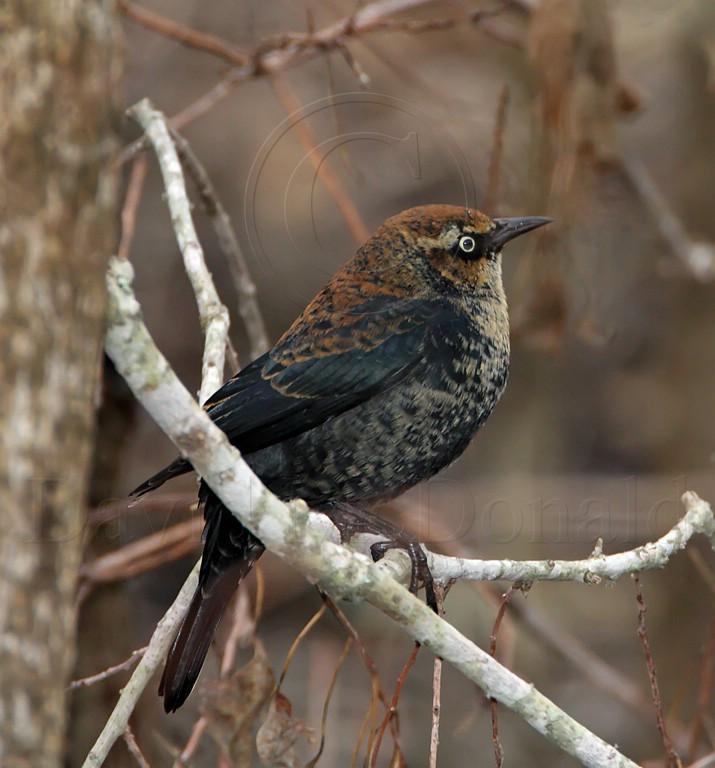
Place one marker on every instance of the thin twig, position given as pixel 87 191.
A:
pixel 570 647
pixel 378 695
pixel 134 749
pixel 168 503
pixel 260 595
pixel 280 53
pixel 436 711
pixel 705 691
pixel 184 34
pixel 697 257
pixel 391 713
pixel 248 306
pixel 204 103
pixel 234 363
pixel 155 653
pixel 212 313
pixel 331 181
pixel 367 660
pixel 193 742
pixel 194 110
pixel 355 66
pixel 133 197
pixel 362 731
pixel 309 625
pixel 326 704
pixel 129 662
pixel 144 554
pixel 496 741
pixel 672 758
pixel 436 690
pixel 243 625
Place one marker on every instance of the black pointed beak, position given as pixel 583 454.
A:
pixel 508 229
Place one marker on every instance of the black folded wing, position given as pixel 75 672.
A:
pixel 315 373
pixel 325 364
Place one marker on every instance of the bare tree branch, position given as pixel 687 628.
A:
pixel 281 52
pixel 212 313
pixel 672 759
pixel 436 691
pixel 698 519
pixel 330 180
pixel 134 748
pixel 496 740
pixel 184 34
pixel 248 306
pixel 155 654
pixel 133 197
pixel 144 554
pixel 109 671
pixel 697 257
pixel 391 713
pixel 307 540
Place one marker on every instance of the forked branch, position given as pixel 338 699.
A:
pixel 309 541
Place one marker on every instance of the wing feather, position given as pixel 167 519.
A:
pixel 295 387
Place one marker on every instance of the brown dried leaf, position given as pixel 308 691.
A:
pixel 279 734
pixel 232 706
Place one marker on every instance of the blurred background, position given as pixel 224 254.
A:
pixel 600 114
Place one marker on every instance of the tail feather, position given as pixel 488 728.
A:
pixel 177 467
pixel 188 652
pixel 230 550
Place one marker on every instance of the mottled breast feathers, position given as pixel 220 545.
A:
pixel 367 348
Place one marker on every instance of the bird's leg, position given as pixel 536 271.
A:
pixel 420 566
pixel 350 520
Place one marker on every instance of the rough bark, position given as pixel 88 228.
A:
pixel 58 71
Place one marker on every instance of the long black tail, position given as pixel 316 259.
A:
pixel 230 550
pixel 177 467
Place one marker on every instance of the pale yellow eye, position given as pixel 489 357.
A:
pixel 467 244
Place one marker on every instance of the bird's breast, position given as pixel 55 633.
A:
pixel 401 436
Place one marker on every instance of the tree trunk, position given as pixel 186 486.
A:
pixel 59 70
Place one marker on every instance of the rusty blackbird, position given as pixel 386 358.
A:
pixel 380 383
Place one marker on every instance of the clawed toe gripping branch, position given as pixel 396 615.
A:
pixel 309 541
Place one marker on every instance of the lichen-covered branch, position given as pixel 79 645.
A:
pixel 248 306
pixel 306 540
pixel 212 313
pixel 699 519
pixel 154 655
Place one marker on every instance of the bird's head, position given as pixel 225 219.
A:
pixel 459 247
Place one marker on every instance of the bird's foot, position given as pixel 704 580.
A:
pixel 352 520
pixel 420 567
